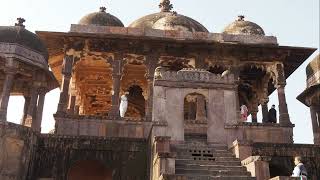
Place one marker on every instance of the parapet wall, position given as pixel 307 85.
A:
pixel 17 147
pixel 174 34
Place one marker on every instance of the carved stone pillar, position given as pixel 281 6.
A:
pixel 36 125
pixel 280 85
pixel 116 82
pixel 201 108
pixel 5 95
pixel 152 62
pixel 315 119
pixel 254 112
pixel 264 107
pixel 31 115
pixel 72 104
pixel 25 109
pixel 236 72
pixel 66 76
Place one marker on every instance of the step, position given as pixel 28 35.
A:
pixel 210 167
pixel 214 153
pixel 212 172
pixel 206 162
pixel 207 157
pixel 197 177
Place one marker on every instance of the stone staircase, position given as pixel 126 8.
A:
pixel 197 160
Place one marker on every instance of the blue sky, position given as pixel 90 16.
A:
pixel 293 22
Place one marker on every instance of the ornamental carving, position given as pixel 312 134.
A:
pixel 191 74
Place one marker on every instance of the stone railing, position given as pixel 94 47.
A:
pixel 193 75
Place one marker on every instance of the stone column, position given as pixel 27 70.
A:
pixel 25 109
pixel 254 112
pixel 280 85
pixel 201 108
pixel 36 125
pixel 5 95
pixel 264 107
pixel 152 62
pixel 72 104
pixel 66 76
pixel 283 108
pixel 315 118
pixel 31 115
pixel 236 72
pixel 116 82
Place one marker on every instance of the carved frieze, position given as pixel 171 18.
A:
pixel 194 75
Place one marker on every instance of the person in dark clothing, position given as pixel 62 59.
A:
pixel 272 114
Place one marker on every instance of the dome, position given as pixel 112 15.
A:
pixel 101 18
pixel 240 26
pixel 19 35
pixel 167 20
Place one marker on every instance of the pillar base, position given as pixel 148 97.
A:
pixel 316 138
pixel 3 115
pixel 284 119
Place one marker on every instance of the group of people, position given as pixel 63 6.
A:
pixel 272 113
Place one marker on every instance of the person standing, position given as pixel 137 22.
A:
pixel 299 170
pixel 244 112
pixel 272 114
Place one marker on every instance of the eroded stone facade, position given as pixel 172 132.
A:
pixel 184 89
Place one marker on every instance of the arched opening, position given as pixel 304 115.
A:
pixel 195 107
pixel 136 102
pixel 89 169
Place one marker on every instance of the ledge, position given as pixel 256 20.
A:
pixel 259 125
pixel 174 34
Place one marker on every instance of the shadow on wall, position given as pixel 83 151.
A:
pixel 89 169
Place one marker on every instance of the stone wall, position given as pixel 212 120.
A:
pixel 170 90
pixel 55 155
pixel 260 132
pixel 17 146
pixel 282 155
pixel 103 127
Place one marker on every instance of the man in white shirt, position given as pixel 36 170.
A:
pixel 299 170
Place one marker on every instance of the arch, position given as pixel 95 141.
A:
pixel 136 102
pixel 89 169
pixel 195 107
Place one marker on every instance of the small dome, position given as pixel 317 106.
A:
pixel 240 26
pixel 167 20
pixel 19 35
pixel 101 18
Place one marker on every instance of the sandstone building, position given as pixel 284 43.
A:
pixel 184 88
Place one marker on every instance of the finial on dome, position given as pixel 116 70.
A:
pixel 165 6
pixel 20 22
pixel 240 18
pixel 103 9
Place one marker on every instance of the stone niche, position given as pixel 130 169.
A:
pixel 170 91
pixel 16 148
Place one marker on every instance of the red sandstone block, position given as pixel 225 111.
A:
pixel 201 35
pixel 118 30
pixel 135 31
